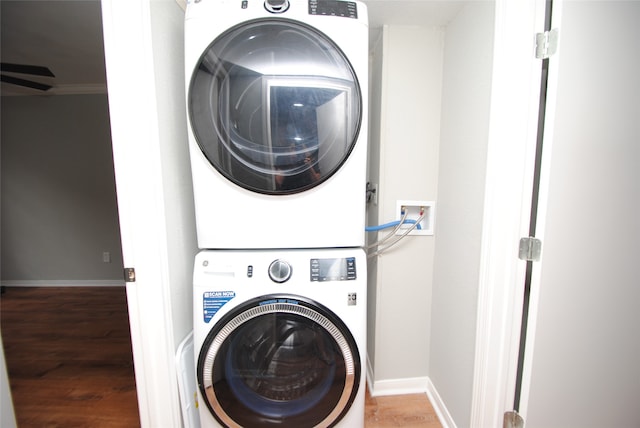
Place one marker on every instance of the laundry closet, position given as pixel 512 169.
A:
pixel 430 100
pixel 449 100
pixel 430 75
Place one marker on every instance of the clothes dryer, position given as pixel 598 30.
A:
pixel 279 337
pixel 277 110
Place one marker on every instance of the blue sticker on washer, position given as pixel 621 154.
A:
pixel 212 301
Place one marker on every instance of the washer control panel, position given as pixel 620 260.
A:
pixel 342 269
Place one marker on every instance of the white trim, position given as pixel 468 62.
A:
pixel 63 283
pixel 509 183
pixel 7 413
pixel 369 375
pixel 395 386
pixel 79 89
pixel 73 89
pixel 182 4
pixel 413 385
pixel 438 405
pixel 133 108
pixel 543 199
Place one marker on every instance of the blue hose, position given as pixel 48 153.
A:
pixel 390 225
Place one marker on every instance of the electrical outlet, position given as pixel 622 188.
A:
pixel 106 257
pixel 414 210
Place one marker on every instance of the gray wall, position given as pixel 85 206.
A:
pixel 373 176
pixel 406 99
pixel 586 345
pixel 59 210
pixel 431 90
pixel 167 25
pixel 463 151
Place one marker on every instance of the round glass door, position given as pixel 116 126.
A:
pixel 275 106
pixel 279 361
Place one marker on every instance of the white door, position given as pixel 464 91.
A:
pixel 582 366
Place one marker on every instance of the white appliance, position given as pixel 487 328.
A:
pixel 279 337
pixel 277 108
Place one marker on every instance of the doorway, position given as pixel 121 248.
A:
pixel 61 250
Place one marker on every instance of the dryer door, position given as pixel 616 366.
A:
pixel 275 106
pixel 279 360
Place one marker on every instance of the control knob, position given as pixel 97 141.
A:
pixel 280 271
pixel 276 6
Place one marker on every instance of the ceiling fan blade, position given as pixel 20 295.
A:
pixel 23 82
pixel 35 70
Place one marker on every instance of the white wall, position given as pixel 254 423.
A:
pixel 409 116
pixel 59 211
pixel 463 151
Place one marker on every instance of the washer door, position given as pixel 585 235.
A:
pixel 275 106
pixel 279 361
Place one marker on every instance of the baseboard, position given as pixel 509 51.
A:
pixel 369 375
pixel 63 283
pixel 415 385
pixel 438 405
pixel 418 385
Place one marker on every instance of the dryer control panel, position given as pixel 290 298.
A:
pixel 342 269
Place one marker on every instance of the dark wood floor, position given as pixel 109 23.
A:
pixel 68 353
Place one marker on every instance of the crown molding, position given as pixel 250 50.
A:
pixel 75 89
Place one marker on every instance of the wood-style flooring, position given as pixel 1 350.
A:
pixel 68 354
pixel 410 410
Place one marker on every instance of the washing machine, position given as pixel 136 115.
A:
pixel 279 337
pixel 277 113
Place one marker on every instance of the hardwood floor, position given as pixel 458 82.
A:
pixel 411 410
pixel 68 354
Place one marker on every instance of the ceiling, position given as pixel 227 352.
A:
pixel 66 37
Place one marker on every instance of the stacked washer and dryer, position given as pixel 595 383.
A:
pixel 277 107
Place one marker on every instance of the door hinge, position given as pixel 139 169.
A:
pixel 512 420
pixel 129 275
pixel 547 43
pixel 530 249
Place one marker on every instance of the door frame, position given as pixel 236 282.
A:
pixel 543 192
pixel 509 183
pixel 133 109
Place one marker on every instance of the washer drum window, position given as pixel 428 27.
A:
pixel 275 106
pixel 279 361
